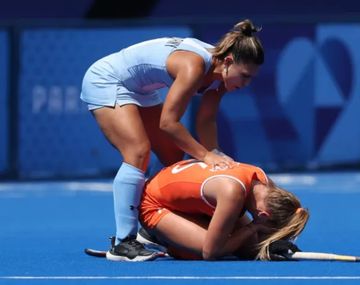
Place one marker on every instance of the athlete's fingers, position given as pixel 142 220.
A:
pixel 216 151
pixel 218 162
pixel 228 160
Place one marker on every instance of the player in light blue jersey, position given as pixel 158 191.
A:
pixel 121 92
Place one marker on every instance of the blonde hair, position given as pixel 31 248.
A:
pixel 286 216
pixel 241 43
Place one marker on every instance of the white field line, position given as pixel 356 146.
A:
pixel 180 277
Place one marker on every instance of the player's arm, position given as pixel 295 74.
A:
pixel 229 196
pixel 206 125
pixel 188 70
pixel 244 241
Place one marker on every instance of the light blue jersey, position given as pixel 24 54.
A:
pixel 134 74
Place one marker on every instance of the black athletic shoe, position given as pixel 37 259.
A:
pixel 150 241
pixel 130 249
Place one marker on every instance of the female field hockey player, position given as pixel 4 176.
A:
pixel 121 93
pixel 198 211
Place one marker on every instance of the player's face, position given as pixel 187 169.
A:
pixel 237 76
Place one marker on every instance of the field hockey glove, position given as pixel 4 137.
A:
pixel 281 249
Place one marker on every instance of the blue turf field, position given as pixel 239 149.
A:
pixel 46 225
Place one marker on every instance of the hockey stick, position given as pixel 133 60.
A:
pixel 300 255
pixel 94 252
pixel 322 256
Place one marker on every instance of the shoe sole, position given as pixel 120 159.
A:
pixel 153 256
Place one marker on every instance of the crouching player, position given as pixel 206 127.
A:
pixel 198 212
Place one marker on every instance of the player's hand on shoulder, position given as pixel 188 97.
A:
pixel 216 151
pixel 218 162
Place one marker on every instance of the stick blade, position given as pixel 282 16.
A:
pixel 322 256
pixel 94 252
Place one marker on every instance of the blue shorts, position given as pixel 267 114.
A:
pixel 135 99
pixel 101 88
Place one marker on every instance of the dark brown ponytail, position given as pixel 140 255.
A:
pixel 241 42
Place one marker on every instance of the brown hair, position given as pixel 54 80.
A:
pixel 241 43
pixel 286 216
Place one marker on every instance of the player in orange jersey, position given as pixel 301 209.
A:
pixel 199 211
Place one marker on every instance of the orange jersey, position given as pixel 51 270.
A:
pixel 180 188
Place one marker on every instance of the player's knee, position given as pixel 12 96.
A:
pixel 140 151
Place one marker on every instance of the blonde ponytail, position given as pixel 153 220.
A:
pixel 286 216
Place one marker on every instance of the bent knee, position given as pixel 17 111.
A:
pixel 137 153
pixel 140 149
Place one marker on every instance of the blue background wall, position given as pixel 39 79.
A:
pixel 57 135
pixel 300 112
pixel 4 67
pixel 175 8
